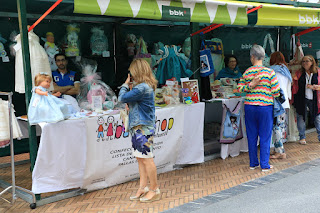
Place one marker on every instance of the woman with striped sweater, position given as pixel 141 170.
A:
pixel 261 85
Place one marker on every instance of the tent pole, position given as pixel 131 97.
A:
pixel 195 47
pixel 22 17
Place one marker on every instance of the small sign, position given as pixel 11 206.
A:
pixel 176 13
pixel 5 59
pixel 106 54
pixel 78 58
pixel 97 103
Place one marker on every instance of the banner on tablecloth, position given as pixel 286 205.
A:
pixel 109 155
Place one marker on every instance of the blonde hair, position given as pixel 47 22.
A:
pixel 141 73
pixel 40 78
pixel 313 68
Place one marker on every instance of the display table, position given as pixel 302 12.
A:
pixel 241 145
pixel 72 153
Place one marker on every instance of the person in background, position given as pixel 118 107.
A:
pixel 279 65
pixel 305 96
pixel 231 70
pixel 142 126
pixel 261 85
pixel 65 81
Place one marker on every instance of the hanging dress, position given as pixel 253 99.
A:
pixel 38 60
pixel 4 125
pixel 48 109
pixel 171 65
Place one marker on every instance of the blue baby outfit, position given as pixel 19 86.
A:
pixel 172 65
pixel 48 109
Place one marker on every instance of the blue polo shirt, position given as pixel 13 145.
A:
pixel 67 79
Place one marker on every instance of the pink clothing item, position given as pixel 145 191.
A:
pixel 110 130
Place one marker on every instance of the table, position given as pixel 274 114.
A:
pixel 71 155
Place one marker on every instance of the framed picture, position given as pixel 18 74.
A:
pixel 190 91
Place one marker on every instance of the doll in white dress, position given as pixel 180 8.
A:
pixel 45 107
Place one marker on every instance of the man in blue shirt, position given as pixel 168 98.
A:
pixel 65 81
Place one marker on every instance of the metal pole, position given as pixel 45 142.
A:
pixel 22 12
pixel 12 149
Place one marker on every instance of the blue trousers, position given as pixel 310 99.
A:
pixel 259 122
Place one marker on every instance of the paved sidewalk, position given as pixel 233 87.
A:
pixel 178 187
pixel 291 190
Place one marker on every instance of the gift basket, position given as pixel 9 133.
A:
pixel 94 95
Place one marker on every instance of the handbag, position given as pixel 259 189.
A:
pixel 232 122
pixel 206 64
pixel 266 60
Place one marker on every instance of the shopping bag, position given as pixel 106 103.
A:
pixel 232 122
pixel 266 60
pixel 206 64
pixel 214 46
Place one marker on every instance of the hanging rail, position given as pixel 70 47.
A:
pixel 13 186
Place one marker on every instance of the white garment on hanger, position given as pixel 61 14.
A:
pixel 4 123
pixel 38 60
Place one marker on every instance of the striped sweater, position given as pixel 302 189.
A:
pixel 265 91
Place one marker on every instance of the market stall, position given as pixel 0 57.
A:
pixel 168 13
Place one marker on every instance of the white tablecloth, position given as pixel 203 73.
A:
pixel 61 161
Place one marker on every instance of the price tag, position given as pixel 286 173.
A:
pixel 106 54
pixel 78 58
pixel 5 59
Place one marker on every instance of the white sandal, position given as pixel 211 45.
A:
pixel 145 189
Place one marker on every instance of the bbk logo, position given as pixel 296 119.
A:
pixel 176 13
pixel 246 46
pixel 308 19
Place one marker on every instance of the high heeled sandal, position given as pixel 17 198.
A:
pixel 155 197
pixel 145 189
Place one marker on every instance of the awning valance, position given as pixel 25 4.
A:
pixel 204 11
pixel 285 15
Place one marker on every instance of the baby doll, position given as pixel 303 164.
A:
pixel 45 107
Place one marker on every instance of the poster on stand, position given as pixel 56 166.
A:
pixel 109 155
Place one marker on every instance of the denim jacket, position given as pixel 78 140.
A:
pixel 141 104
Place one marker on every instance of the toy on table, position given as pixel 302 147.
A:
pixel 98 41
pixel 45 107
pixel 51 50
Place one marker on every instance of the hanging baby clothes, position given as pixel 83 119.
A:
pixel 44 108
pixel 171 65
pixel 38 59
pixel 4 125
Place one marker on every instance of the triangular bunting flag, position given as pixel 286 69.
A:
pixel 135 6
pixel 103 4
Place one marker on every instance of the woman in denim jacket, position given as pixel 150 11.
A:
pixel 141 125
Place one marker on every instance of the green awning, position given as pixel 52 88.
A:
pixel 204 11
pixel 285 15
